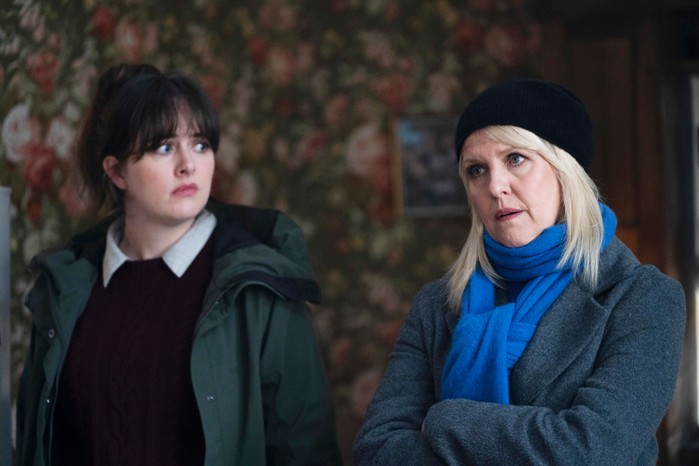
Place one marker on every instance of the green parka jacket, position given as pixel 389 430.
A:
pixel 256 368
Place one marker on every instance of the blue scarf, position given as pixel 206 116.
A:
pixel 489 340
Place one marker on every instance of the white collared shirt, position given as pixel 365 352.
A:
pixel 178 257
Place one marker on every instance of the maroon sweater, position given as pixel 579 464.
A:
pixel 125 392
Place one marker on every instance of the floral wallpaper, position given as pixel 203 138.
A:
pixel 308 94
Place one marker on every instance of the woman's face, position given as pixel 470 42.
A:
pixel 514 191
pixel 170 185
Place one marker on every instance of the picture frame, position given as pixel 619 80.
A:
pixel 427 182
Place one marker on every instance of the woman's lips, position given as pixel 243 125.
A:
pixel 186 190
pixel 506 214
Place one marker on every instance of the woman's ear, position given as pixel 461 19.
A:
pixel 113 169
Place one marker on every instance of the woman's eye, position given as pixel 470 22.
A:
pixel 164 148
pixel 516 159
pixel 475 171
pixel 202 146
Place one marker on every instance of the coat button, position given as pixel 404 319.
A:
pixel 52 333
pixel 210 398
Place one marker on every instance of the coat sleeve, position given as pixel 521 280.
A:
pixel 614 413
pixel 298 410
pixel 391 431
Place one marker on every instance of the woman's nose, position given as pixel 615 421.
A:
pixel 186 165
pixel 499 182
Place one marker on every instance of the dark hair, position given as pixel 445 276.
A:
pixel 135 108
pixel 89 160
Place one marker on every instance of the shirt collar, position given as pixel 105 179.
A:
pixel 178 257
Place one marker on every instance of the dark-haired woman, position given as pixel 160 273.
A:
pixel 174 332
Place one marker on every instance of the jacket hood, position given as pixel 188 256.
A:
pixel 252 244
pixel 262 245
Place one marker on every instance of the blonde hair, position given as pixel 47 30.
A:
pixel 580 212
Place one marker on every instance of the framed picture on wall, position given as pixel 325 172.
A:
pixel 427 182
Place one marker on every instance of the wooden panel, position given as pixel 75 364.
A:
pixel 614 66
pixel 600 71
pixel 650 173
pixel 630 237
pixel 616 75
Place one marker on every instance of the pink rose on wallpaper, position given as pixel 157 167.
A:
pixel 367 157
pixel 60 137
pixel 103 22
pixel 394 91
pixel 467 36
pixel 506 44
pixel 38 167
pixel 135 41
pixel 366 149
pixel 43 67
pixel 311 146
pixel 19 130
pixel 73 202
pixel 281 65
pixel 335 110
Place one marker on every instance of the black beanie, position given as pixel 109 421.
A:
pixel 549 110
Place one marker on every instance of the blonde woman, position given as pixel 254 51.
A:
pixel 548 342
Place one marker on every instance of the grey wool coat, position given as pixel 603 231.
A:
pixel 590 389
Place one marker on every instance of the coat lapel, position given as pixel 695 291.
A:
pixel 563 333
pixel 567 327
